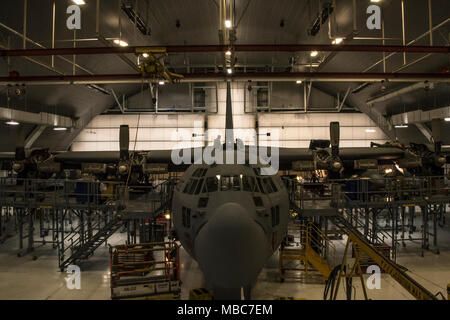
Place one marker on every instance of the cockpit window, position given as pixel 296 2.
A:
pixel 200 172
pixel 230 183
pixel 212 184
pixel 248 183
pixel 199 186
pixel 192 186
pixel 269 186
pixel 260 185
pixel 188 185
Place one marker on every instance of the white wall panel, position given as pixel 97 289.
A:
pixel 163 132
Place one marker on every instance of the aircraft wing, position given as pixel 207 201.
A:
pixel 445 150
pixel 7 156
pixel 88 157
pixel 371 153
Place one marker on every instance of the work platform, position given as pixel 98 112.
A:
pixel 385 211
pixel 78 216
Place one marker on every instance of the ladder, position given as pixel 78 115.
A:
pixel 390 267
pixel 85 250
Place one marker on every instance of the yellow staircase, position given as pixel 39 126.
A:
pixel 318 262
pixel 315 251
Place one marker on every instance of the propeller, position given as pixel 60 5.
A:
pixel 19 157
pixel 334 138
pixel 20 145
pixel 436 130
pixel 437 137
pixel 124 144
pixel 336 163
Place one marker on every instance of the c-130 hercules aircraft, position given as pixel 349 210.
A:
pixel 229 217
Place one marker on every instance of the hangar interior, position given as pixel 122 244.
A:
pixel 351 97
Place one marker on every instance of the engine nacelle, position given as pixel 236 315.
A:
pixel 94 168
pixel 410 163
pixel 365 164
pixel 49 167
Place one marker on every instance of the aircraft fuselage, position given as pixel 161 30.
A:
pixel 230 220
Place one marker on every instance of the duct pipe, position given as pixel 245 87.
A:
pixel 421 85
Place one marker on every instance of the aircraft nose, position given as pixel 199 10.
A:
pixel 231 247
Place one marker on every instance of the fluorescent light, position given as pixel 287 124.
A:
pixel 314 53
pixel 230 71
pixel 59 129
pixel 299 81
pixel 12 123
pixel 401 126
pixel 338 40
pixel 121 43
pixel 371 130
pixel 228 24
pixel 79 2
pixel 228 53
pixel 447 119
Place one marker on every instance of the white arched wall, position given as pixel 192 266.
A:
pixel 168 131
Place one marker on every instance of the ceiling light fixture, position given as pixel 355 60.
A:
pixel 375 1
pixel 228 24
pixel 79 2
pixel 145 55
pixel 230 71
pixel 447 119
pixel 401 126
pixel 314 53
pixel 12 123
pixel 121 43
pixel 228 53
pixel 161 83
pixel 59 129
pixel 299 81
pixel 371 130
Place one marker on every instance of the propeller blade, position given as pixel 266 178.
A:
pixel 436 126
pixel 229 135
pixel 124 141
pixel 20 145
pixel 334 137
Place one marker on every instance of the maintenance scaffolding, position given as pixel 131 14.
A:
pixel 78 216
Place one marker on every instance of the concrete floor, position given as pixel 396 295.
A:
pixel 25 278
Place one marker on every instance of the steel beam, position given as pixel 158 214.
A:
pixel 34 135
pixel 224 48
pixel 218 77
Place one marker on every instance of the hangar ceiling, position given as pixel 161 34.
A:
pixel 257 22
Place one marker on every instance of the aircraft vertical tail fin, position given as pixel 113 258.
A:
pixel 229 135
